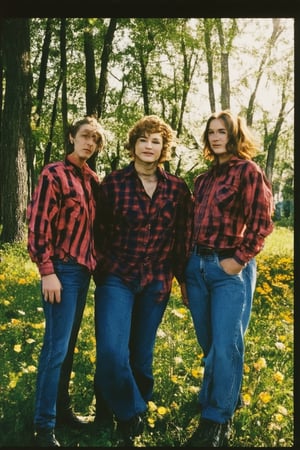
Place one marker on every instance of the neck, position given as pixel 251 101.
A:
pixel 145 170
pixel 75 160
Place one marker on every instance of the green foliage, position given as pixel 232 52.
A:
pixel 266 420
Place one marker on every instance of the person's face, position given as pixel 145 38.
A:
pixel 218 138
pixel 85 142
pixel 148 148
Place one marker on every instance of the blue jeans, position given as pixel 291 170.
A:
pixel 126 322
pixel 62 325
pixel 220 305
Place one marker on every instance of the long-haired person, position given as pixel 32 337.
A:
pixel 233 208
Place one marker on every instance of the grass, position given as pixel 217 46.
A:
pixel 265 421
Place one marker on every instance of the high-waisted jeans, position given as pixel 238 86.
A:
pixel 220 305
pixel 62 326
pixel 126 321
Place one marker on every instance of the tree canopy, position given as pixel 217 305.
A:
pixel 56 69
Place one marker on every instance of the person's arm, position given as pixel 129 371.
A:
pixel 258 210
pixel 183 234
pixel 41 215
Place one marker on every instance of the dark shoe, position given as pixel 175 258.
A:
pixel 104 420
pixel 210 434
pixel 68 418
pixel 130 429
pixel 45 437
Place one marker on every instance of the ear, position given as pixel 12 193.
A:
pixel 71 139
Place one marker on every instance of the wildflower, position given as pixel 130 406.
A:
pixel 280 345
pixel 198 372
pixel 174 379
pixel 265 397
pixel 178 359
pixel 30 341
pixel 278 417
pixel 246 368
pixel 17 348
pixel 260 364
pixel 151 422
pixel 15 321
pixel 162 410
pixel 247 399
pixel 180 312
pixel 152 406
pixel 282 410
pixel 278 376
pixel 161 333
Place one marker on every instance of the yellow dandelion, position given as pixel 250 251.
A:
pixel 265 397
pixel 152 406
pixel 162 410
pixel 93 358
pixel 278 417
pixel 72 375
pixel 260 364
pixel 151 422
pixel 174 379
pixel 6 303
pixel 278 376
pixel 2 276
pixel 15 321
pixel 246 368
pixel 30 341
pixel 76 350
pixel 31 369
pixel 174 405
pixel 198 372
pixel 12 384
pixel 247 399
pixel 21 281
pixel 17 348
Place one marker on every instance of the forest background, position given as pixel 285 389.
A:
pixel 54 70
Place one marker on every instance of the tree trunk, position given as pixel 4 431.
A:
pixel 16 132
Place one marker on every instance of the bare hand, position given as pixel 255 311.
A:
pixel 51 288
pixel 231 266
pixel 184 294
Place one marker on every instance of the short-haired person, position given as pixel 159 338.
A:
pixel 233 208
pixel 144 218
pixel 61 243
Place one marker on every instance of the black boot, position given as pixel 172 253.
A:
pixel 45 437
pixel 210 434
pixel 129 429
pixel 67 417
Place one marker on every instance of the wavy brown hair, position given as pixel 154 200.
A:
pixel 148 125
pixel 241 141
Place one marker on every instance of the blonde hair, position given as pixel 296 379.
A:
pixel 148 125
pixel 241 141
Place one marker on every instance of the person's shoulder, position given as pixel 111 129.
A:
pixel 53 167
pixel 116 174
pixel 171 176
pixel 249 164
